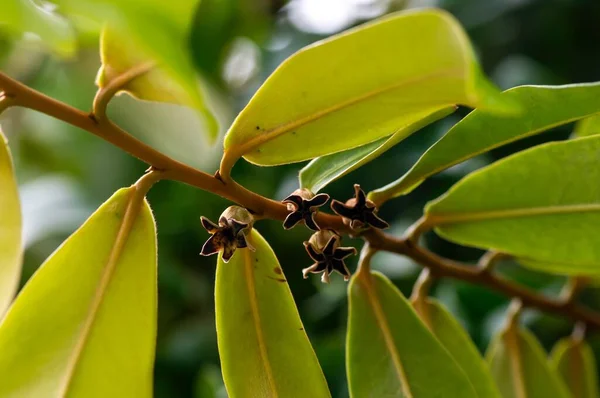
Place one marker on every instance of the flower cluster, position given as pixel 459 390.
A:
pixel 323 247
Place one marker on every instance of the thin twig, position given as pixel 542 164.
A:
pixel 106 93
pixel 5 102
pixel 488 261
pixel 21 95
pixel 573 289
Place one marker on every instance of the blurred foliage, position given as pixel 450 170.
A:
pixel 65 173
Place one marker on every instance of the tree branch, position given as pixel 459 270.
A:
pixel 23 96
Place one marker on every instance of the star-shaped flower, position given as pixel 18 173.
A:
pixel 328 258
pixel 359 212
pixel 303 205
pixel 228 236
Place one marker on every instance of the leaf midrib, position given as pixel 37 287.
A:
pixel 366 280
pixel 260 338
pixel 455 218
pixel 133 208
pixel 512 344
pixel 273 133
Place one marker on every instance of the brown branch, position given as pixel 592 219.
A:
pixel 23 96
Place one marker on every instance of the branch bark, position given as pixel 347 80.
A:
pixel 23 96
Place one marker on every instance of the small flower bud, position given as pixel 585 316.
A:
pixel 359 212
pixel 324 248
pixel 230 234
pixel 303 205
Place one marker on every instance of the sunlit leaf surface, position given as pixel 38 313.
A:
pixel 544 107
pixel 263 347
pixel 358 87
pixel 390 352
pixel 85 323
pixel 538 204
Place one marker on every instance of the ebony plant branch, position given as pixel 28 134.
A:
pixel 13 93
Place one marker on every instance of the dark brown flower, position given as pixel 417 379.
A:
pixel 303 206
pixel 324 248
pixel 359 212
pixel 229 234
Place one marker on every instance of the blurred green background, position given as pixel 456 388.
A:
pixel 64 173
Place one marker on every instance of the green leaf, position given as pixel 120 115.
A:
pixel 588 126
pixel 538 204
pixel 85 323
pixel 390 352
pixel 324 170
pixel 520 368
pixel 574 361
pixel 11 249
pixel 166 42
pixel 458 343
pixel 567 269
pixel 25 16
pixel 263 347
pixel 545 107
pixel 358 87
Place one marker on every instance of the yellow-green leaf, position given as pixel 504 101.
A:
pixel 324 170
pixel 587 126
pixel 574 361
pixel 390 352
pixel 544 107
pixel 520 368
pixel 458 343
pixel 538 204
pixel 166 42
pixel 27 16
pixel 358 87
pixel 11 250
pixel 85 323
pixel 264 349
pixel 119 55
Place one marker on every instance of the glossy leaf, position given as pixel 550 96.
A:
pixel 390 352
pixel 520 368
pixel 556 268
pixel 263 347
pixel 588 126
pixel 537 204
pixel 544 107
pixel 358 87
pixel 11 247
pixel 26 16
pixel 574 361
pixel 324 170
pixel 85 323
pixel 166 43
pixel 458 343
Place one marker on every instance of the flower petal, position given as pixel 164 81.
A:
pixel 341 209
pixel 292 219
pixel 374 220
pixel 309 220
pixel 211 246
pixel 318 200
pixel 208 225
pixel 343 252
pixel 314 254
